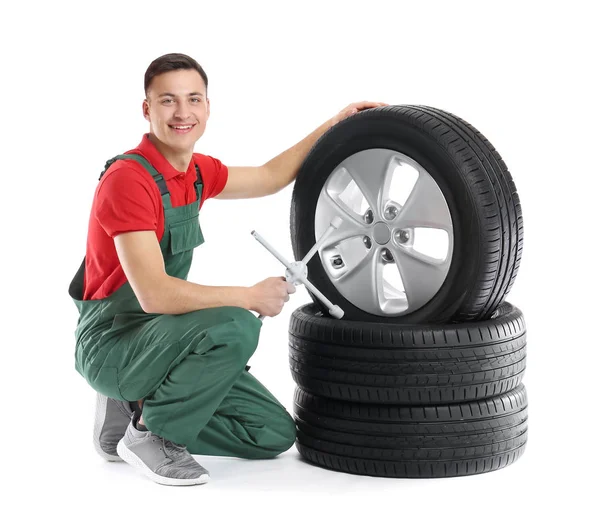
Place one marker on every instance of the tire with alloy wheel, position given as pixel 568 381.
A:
pixel 382 363
pixel 412 441
pixel 430 229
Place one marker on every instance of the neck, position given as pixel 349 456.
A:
pixel 178 159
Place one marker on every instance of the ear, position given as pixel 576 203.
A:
pixel 207 108
pixel 146 110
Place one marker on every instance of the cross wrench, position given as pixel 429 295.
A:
pixel 297 270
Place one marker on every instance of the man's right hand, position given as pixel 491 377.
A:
pixel 268 297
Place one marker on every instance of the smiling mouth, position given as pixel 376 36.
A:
pixel 183 128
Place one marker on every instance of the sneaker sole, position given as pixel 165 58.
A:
pixel 132 459
pixel 101 402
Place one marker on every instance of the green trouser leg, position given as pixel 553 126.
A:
pixel 250 423
pixel 190 371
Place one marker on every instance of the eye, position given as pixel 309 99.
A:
pixel 165 101
pixel 196 99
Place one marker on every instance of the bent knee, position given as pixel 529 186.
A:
pixel 288 433
pixel 231 326
pixel 245 319
pixel 244 328
pixel 282 436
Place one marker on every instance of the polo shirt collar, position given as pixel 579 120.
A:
pixel 147 149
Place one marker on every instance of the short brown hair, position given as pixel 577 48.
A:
pixel 171 62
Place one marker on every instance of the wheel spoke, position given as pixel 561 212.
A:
pixel 425 206
pixel 421 275
pixel 371 172
pixel 363 282
pixel 327 209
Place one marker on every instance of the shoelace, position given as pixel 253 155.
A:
pixel 167 445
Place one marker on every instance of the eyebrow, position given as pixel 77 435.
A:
pixel 173 95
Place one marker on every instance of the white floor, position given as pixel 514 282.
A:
pixel 288 475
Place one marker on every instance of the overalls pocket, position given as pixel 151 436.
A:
pixel 185 236
pixel 130 321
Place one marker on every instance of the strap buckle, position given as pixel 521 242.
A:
pixel 107 164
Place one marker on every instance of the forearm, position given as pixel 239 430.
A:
pixel 176 296
pixel 285 167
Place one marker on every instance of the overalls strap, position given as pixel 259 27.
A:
pixel 158 178
pixel 198 185
pixel 156 175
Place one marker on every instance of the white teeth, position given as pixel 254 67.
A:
pixel 181 127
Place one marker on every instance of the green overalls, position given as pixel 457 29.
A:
pixel 190 368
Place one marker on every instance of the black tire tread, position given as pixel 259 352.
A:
pixel 407 364
pixel 507 215
pixel 412 441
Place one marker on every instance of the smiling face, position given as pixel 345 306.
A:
pixel 177 108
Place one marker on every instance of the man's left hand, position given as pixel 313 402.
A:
pixel 354 108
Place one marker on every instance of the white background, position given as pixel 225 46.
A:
pixel 523 73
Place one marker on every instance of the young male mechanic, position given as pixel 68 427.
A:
pixel 168 357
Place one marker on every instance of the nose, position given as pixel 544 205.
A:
pixel 182 111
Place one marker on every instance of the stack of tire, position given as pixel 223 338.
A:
pixel 432 390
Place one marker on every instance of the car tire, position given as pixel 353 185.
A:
pixel 412 441
pixel 382 363
pixel 483 208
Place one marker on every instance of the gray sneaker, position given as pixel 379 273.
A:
pixel 160 460
pixel 112 418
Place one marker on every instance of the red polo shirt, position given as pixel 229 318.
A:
pixel 127 199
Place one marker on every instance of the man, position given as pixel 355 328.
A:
pixel 168 357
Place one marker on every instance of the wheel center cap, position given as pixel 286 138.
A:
pixel 381 233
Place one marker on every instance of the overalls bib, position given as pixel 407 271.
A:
pixel 188 368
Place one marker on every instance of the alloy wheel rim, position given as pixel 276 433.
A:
pixel 393 250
